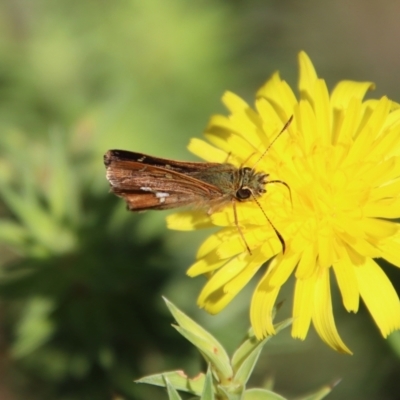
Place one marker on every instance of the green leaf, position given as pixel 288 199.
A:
pixel 221 365
pixel 35 327
pixel 12 233
pixel 61 192
pixel 208 389
pixel 179 380
pixel 394 341
pixel 231 392
pixel 172 393
pixel 320 393
pixel 248 347
pixel 246 368
pixel 203 340
pixel 261 394
pixel 39 224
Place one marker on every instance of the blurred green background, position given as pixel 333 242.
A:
pixel 81 280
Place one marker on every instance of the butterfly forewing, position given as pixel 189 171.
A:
pixel 147 182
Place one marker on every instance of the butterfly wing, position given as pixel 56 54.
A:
pixel 147 182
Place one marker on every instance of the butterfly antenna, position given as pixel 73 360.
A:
pixel 284 184
pixel 277 136
pixel 279 236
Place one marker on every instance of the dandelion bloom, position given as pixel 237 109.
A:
pixel 340 157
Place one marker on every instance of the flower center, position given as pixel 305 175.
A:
pixel 329 192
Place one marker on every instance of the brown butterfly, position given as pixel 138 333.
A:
pixel 150 183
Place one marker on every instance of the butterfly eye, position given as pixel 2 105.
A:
pixel 243 194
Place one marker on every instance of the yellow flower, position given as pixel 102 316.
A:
pixel 340 157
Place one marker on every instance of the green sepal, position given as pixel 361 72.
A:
pixel 178 379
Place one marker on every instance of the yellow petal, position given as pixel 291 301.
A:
pixel 322 313
pixel 302 307
pixel 206 264
pixel 385 208
pixel 236 284
pixel 308 76
pixel 271 120
pixel 378 228
pixel 231 247
pixel 216 301
pixel 377 120
pixel 280 268
pixel 379 296
pixel 307 263
pixel 189 220
pixel 325 247
pixel 393 119
pixel 232 268
pixel 224 285
pixel 234 103
pixel 261 309
pixel 359 245
pixel 391 249
pixel 322 111
pixel 346 91
pixel 231 143
pixel 249 125
pixel 239 124
pixel 206 151
pixel 385 144
pixel 369 132
pixel 214 240
pixel 344 130
pixel 347 282
pixel 248 214
pixel 280 95
pixel 390 190
pixel 380 173
pixel 306 122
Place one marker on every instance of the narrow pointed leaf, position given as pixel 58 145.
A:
pixel 246 348
pixel 251 343
pixel 221 364
pixel 261 394
pixel 39 224
pixel 320 393
pixel 172 393
pixel 178 379
pixel 30 213
pixel 190 326
pixel 12 233
pixel 246 367
pixel 232 393
pixel 394 341
pixel 208 389
pixel 62 194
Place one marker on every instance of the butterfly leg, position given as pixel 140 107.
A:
pixel 237 225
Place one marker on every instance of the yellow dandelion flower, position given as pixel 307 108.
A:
pixel 340 157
